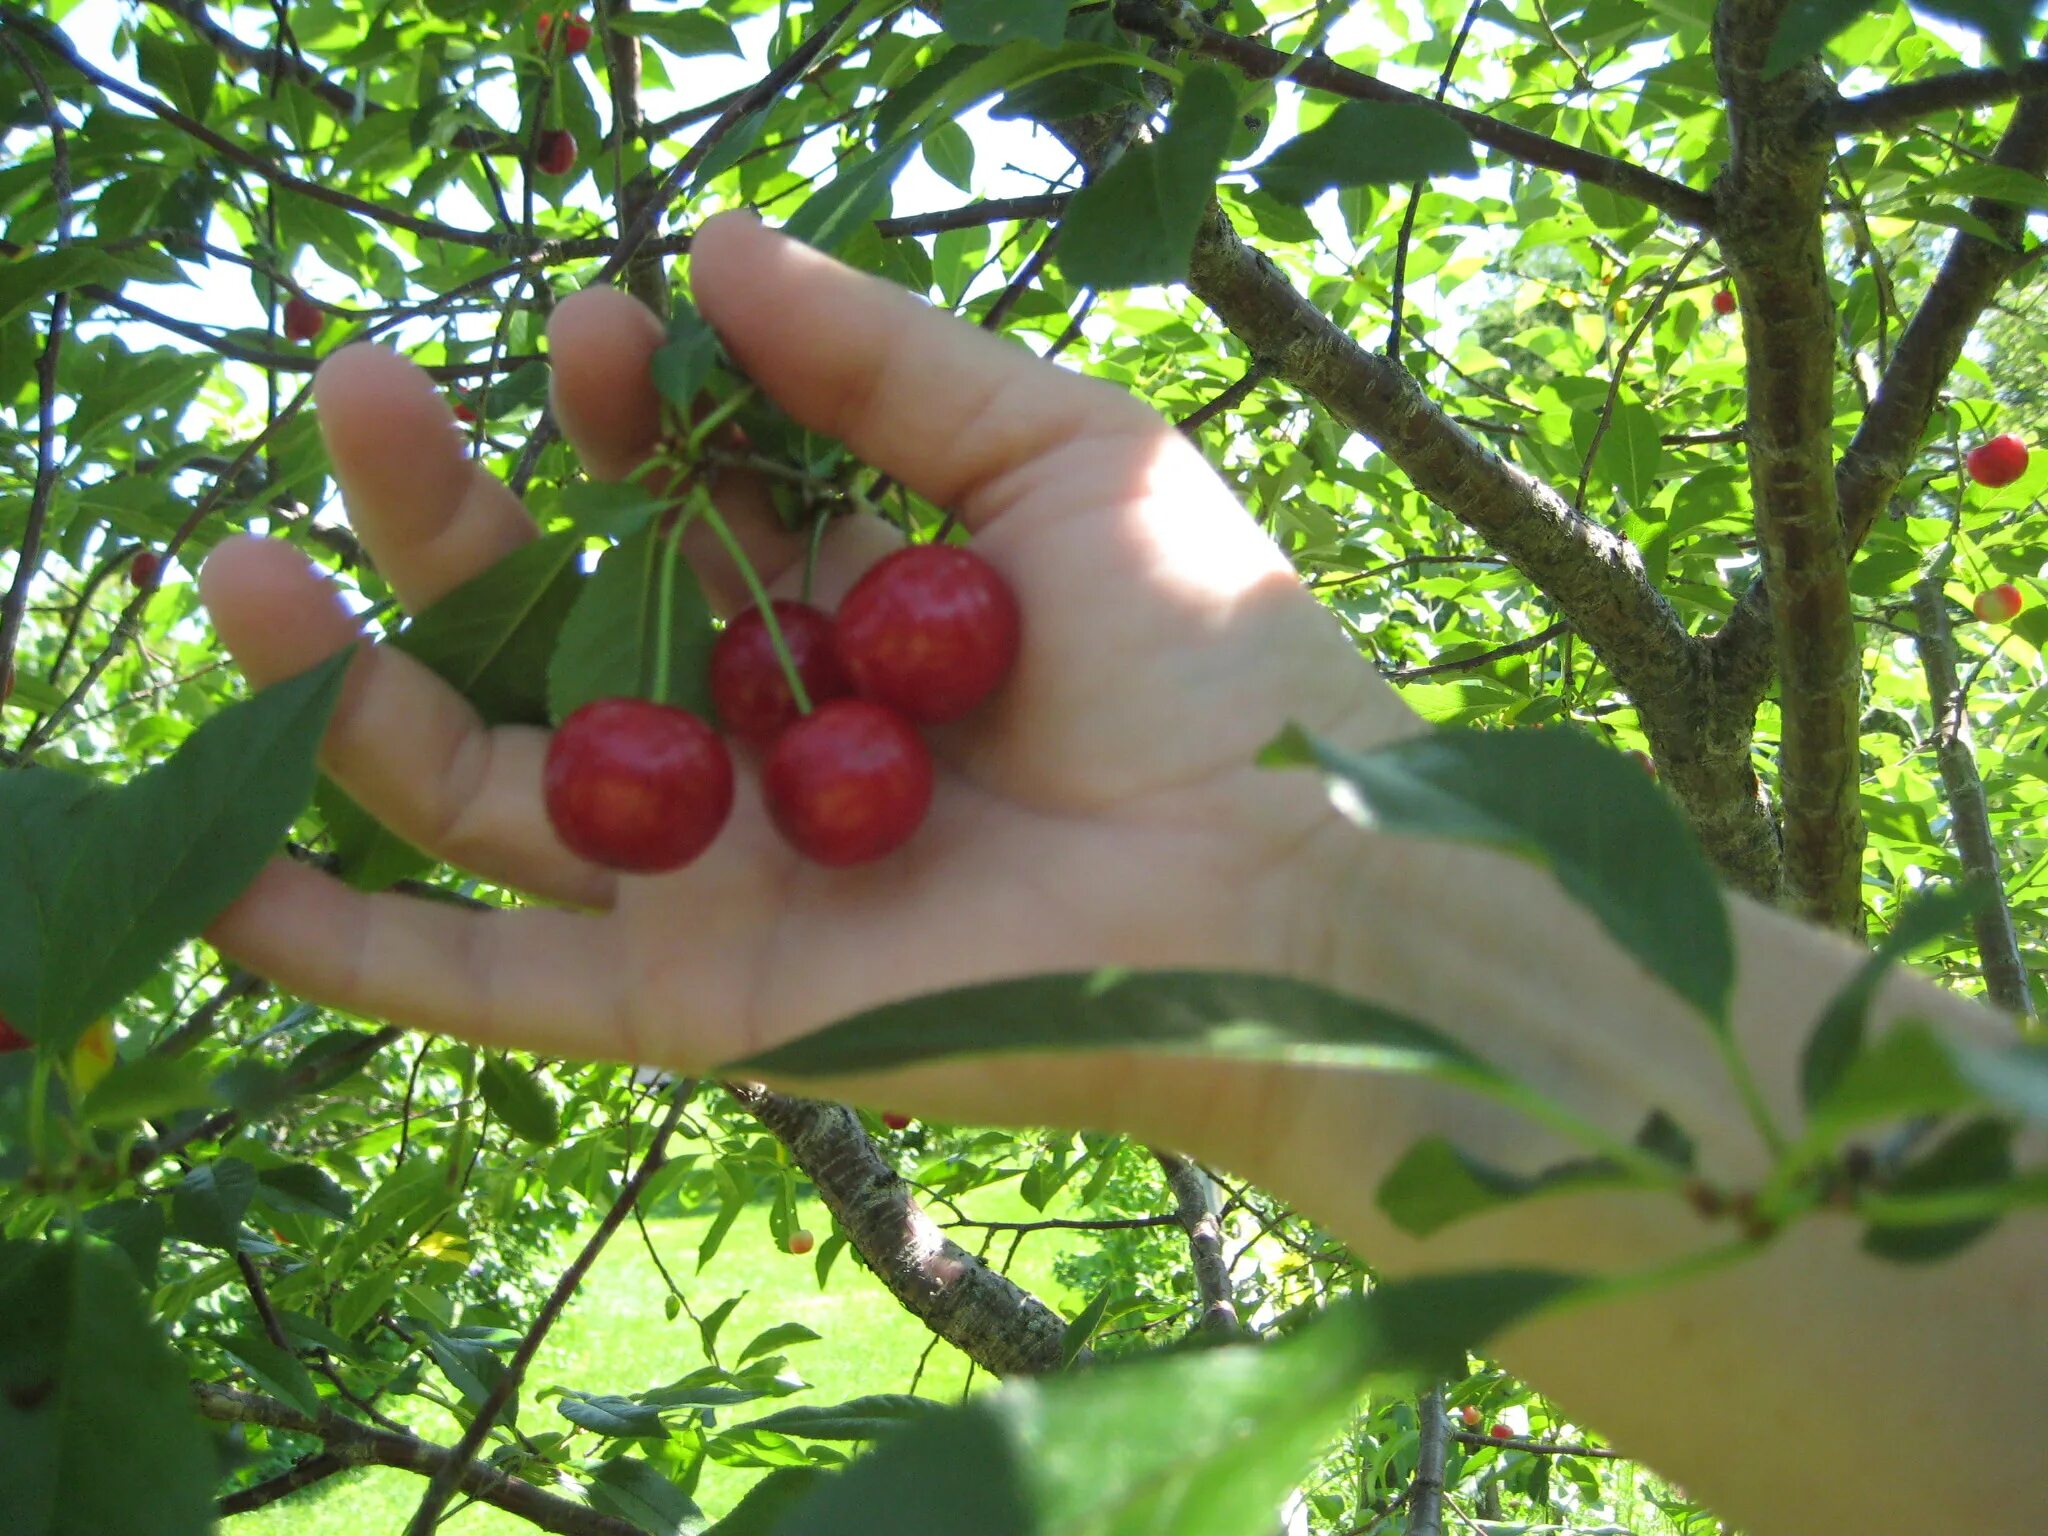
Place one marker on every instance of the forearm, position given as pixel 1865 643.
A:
pixel 1740 1383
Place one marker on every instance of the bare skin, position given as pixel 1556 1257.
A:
pixel 1103 810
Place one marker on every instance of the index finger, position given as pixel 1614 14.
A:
pixel 939 404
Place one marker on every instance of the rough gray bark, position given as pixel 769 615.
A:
pixel 1426 1493
pixel 2005 976
pixel 987 1316
pixel 1194 1203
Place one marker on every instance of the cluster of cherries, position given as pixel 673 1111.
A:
pixel 1996 464
pixel 923 638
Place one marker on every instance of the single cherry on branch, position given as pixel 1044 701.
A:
pixel 12 1039
pixel 1998 462
pixel 144 569
pixel 575 31
pixel 2000 604
pixel 1724 301
pixel 1501 1432
pixel 930 631
pixel 637 786
pixel 801 1242
pixel 896 1122
pixel 303 319
pixel 848 783
pixel 748 687
pixel 554 153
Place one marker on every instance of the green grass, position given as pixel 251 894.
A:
pixel 615 1338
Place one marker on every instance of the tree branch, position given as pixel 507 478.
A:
pixel 2005 975
pixel 993 210
pixel 1887 440
pixel 1194 1207
pixel 1899 106
pixel 987 1316
pixel 1772 197
pixel 357 1445
pixel 1258 62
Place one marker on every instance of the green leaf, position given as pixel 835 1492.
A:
pixel 43 817
pixel 1082 1328
pixel 97 1432
pixel 781 1336
pixel 471 1367
pixel 991 23
pixel 1976 1154
pixel 683 364
pixel 153 862
pixel 1136 222
pixel 136 1227
pixel 616 511
pixel 1806 25
pixel 606 646
pixel 687 34
pixel 1630 451
pixel 183 72
pixel 949 151
pixel 492 636
pixel 369 855
pixel 830 215
pixel 208 1204
pixel 768 1502
pixel 635 1491
pixel 862 1418
pixel 1436 1184
pixel 617 1418
pixel 278 1373
pixel 145 1088
pixel 516 1098
pixel 1908 1070
pixel 300 1189
pixel 1560 799
pixel 1838 1035
pixel 1367 143
pixel 1206 1012
pixel 1082 1452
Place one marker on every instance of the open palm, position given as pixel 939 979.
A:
pixel 1102 809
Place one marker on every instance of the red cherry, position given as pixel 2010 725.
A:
pixel 848 782
pixel 575 31
pixel 464 413
pixel 747 685
pixel 896 1122
pixel 636 785
pixel 555 154
pixel 1644 761
pixel 1471 1416
pixel 12 1039
pixel 801 1241
pixel 931 631
pixel 2000 604
pixel 1501 1432
pixel 1724 301
pixel 303 319
pixel 145 568
pixel 1998 462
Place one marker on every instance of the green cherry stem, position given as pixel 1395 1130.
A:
pixel 811 553
pixel 725 410
pixel 668 554
pixel 762 601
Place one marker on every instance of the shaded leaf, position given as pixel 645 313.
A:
pixel 606 646
pixel 208 1204
pixel 619 1418
pixel 1135 223
pixel 1560 799
pixel 1366 143
pixel 516 1097
pixel 1976 1154
pixel 274 1371
pixel 781 1336
pixel 991 23
pixel 492 636
pixel 1838 1034
pixel 145 1088
pixel 635 1490
pixel 862 1418
pixel 97 1432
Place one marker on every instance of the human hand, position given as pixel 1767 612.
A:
pixel 1102 809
